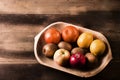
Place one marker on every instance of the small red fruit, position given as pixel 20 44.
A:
pixel 77 60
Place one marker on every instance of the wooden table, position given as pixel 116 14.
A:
pixel 17 32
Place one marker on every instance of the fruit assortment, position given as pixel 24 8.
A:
pixel 72 47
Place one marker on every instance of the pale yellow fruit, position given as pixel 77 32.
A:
pixel 97 47
pixel 85 39
pixel 61 56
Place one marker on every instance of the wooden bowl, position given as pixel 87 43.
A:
pixel 39 42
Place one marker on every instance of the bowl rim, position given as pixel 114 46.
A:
pixel 89 74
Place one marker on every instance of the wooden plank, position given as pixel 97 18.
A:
pixel 39 72
pixel 15 61
pixel 18 31
pixel 21 20
pixel 56 6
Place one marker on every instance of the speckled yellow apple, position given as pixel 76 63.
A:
pixel 97 47
pixel 85 39
pixel 61 56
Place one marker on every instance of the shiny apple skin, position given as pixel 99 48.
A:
pixel 77 60
pixel 61 57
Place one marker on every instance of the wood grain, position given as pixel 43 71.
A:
pixel 38 72
pixel 56 6
pixel 18 31
pixel 22 20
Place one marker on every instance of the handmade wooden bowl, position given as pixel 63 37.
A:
pixel 39 43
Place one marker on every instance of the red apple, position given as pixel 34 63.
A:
pixel 77 60
pixel 61 56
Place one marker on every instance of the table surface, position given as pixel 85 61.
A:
pixel 17 32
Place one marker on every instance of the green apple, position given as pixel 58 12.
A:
pixel 61 56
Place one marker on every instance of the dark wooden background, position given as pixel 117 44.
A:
pixel 21 21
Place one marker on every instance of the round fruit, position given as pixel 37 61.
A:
pixel 49 49
pixel 77 60
pixel 61 56
pixel 52 35
pixel 97 47
pixel 70 34
pixel 65 45
pixel 85 40
pixel 91 58
pixel 76 50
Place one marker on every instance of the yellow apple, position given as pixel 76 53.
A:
pixel 61 56
pixel 85 39
pixel 97 47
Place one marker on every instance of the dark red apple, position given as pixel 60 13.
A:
pixel 77 60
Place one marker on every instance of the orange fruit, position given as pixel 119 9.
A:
pixel 52 35
pixel 70 34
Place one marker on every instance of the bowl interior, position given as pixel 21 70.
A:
pixel 88 71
